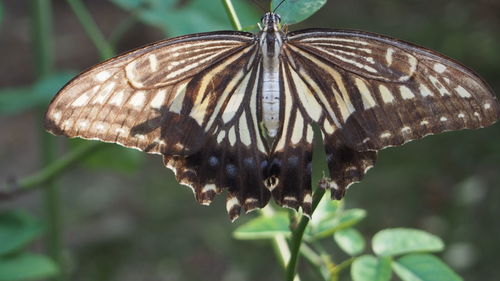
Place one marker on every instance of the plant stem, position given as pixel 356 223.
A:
pixel 42 41
pixel 122 29
pixel 296 240
pixel 51 170
pixel 343 265
pixel 41 33
pixel 89 25
pixel 297 235
pixel 311 255
pixel 231 13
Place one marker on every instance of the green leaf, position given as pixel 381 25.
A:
pixel 350 241
pixel 396 241
pixel 423 267
pixel 295 11
pixel 26 266
pixel 370 268
pixel 194 16
pixel 16 100
pixel 326 210
pixel 17 229
pixel 343 220
pixel 264 227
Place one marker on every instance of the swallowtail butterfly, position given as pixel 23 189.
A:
pixel 234 110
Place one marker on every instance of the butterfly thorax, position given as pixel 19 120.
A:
pixel 270 42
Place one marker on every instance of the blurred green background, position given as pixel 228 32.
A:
pixel 124 216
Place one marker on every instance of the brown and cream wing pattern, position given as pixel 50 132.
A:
pixel 375 92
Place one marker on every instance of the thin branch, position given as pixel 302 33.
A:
pixel 231 13
pixel 297 235
pixel 89 25
pixel 335 273
pixel 41 31
pixel 50 171
pixel 317 261
pixel 122 29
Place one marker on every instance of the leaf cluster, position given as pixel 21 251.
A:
pixel 405 252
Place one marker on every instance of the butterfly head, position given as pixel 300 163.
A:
pixel 271 22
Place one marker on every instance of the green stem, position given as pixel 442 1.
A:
pixel 311 255
pixel 235 22
pixel 54 226
pixel 122 29
pixel 89 25
pixel 317 261
pixel 341 267
pixel 298 233
pixel 42 41
pixel 51 170
pixel 41 33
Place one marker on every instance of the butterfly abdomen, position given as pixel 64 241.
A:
pixel 271 44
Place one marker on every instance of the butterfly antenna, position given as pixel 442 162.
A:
pixel 275 9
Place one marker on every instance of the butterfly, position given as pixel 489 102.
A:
pixel 234 111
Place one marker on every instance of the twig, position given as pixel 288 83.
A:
pixel 231 13
pixel 50 171
pixel 297 235
pixel 43 52
pixel 89 25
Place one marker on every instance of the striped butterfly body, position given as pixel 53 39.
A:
pixel 234 110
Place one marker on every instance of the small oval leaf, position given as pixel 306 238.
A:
pixel 17 229
pixel 326 210
pixel 343 220
pixel 370 268
pixel 26 266
pixel 397 241
pixel 264 227
pixel 295 11
pixel 350 241
pixel 423 267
